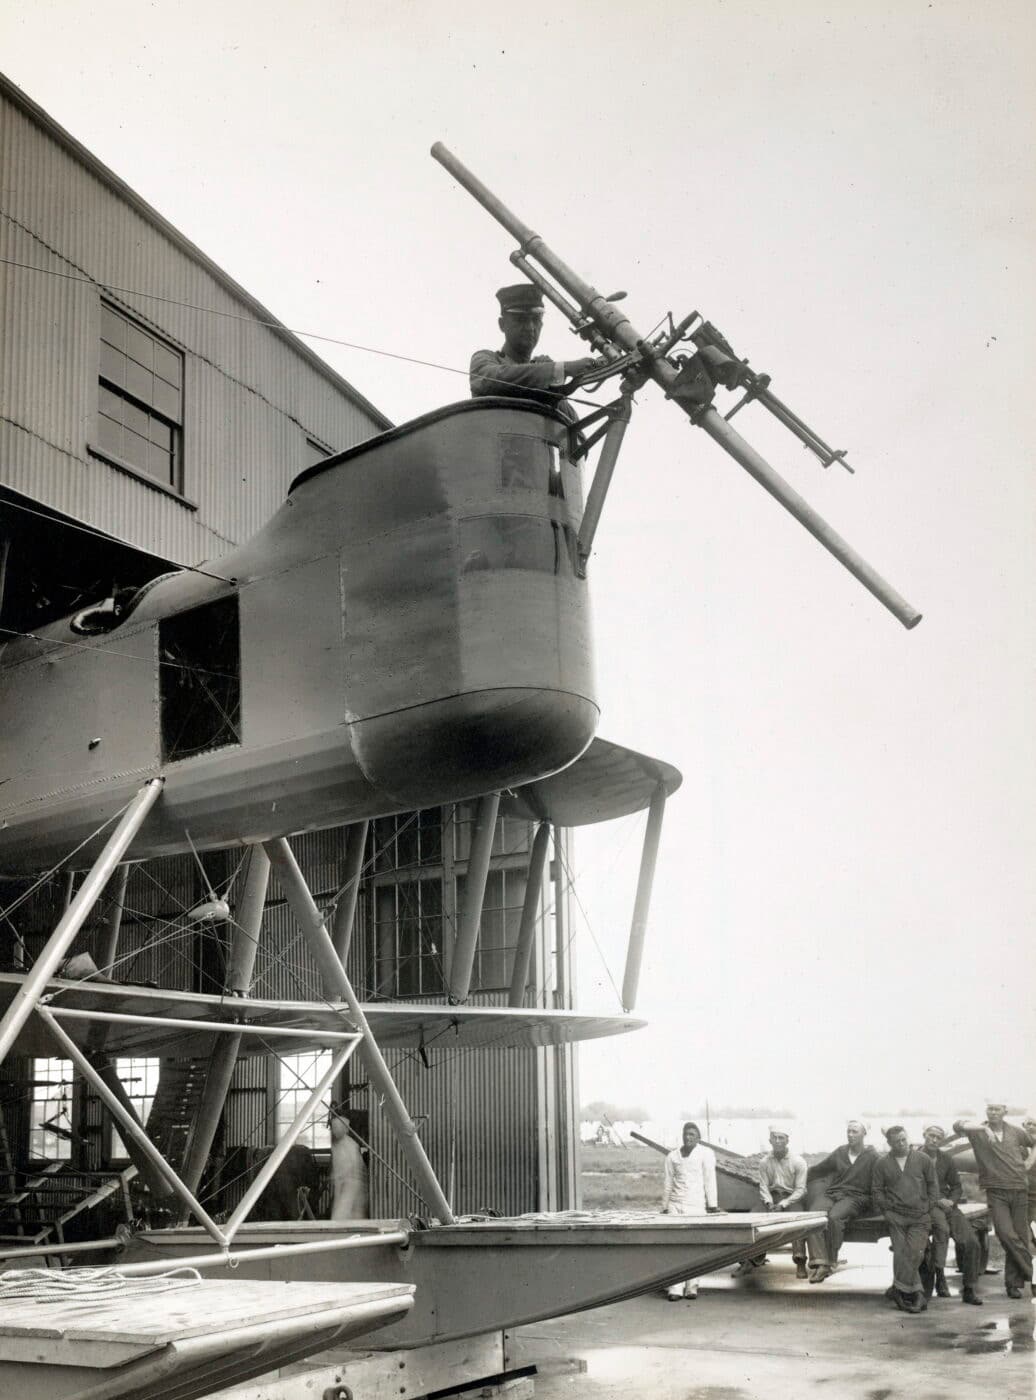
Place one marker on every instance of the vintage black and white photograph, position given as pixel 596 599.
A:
pixel 517 691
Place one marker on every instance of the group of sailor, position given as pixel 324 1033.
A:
pixel 917 1190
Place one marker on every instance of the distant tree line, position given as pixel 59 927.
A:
pixel 724 1110
pixel 614 1112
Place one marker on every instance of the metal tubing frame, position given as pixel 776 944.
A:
pixel 345 914
pixel 642 903
pixel 244 945
pixel 232 1258
pixel 28 994
pixel 530 914
pixel 181 1023
pixel 120 880
pixel 602 480
pixel 470 917
pixel 287 1142
pixel 618 327
pixel 314 930
pixel 349 1040
pixel 129 1124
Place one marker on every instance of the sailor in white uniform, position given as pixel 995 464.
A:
pixel 689 1189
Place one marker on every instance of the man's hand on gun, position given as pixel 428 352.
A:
pixel 578 370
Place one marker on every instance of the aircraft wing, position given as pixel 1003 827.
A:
pixel 607 781
pixel 267 1026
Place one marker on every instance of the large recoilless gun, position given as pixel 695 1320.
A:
pixel 690 380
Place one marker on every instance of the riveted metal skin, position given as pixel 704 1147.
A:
pixel 412 631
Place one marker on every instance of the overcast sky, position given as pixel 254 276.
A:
pixel 843 913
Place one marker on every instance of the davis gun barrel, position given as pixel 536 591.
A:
pixel 616 326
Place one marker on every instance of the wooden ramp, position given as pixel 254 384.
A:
pixel 87 1334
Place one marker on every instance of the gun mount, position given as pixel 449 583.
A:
pixel 689 381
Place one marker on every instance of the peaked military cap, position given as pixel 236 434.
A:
pixel 523 297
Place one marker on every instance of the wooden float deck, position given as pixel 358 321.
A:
pixel 132 1339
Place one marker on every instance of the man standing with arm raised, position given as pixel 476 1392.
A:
pixel 1001 1151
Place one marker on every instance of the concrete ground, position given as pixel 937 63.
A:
pixel 771 1337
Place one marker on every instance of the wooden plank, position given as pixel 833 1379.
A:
pixel 137 1317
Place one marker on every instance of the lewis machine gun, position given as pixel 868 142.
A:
pixel 689 360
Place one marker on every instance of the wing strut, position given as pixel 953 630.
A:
pixel 336 979
pixel 642 902
pixel 28 994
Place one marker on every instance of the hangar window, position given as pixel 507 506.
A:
pixel 408 933
pixel 200 679
pixel 139 1076
pixel 140 400
pixel 50 1116
pixel 299 1076
pixel 498 928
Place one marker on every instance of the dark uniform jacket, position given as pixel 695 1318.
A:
pixel 947 1177
pixel 1000 1164
pixel 846 1178
pixel 493 373
pixel 904 1193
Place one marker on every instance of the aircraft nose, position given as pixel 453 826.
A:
pixel 481 741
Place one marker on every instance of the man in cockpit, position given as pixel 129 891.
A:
pixel 513 371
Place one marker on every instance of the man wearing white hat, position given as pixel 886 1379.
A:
pixel 782 1187
pixel 948 1220
pixel 1001 1152
pixel 840 1185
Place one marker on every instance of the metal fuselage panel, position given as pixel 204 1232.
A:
pixel 411 632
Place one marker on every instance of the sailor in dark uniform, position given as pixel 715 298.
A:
pixel 514 371
pixel 1001 1152
pixel 948 1220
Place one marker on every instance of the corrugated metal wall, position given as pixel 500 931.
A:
pixel 494 1120
pixel 250 398
pixel 476 1114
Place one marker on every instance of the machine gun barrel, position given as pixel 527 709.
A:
pixel 617 328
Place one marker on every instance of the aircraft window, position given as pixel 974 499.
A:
pixel 200 679
pixel 507 542
pixel 529 464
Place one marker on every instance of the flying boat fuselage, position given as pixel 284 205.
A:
pixel 408 629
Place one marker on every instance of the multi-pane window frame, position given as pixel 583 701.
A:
pixel 139 1077
pixel 411 930
pixel 297 1077
pixel 138 421
pixel 52 1092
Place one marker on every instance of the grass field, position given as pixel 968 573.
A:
pixel 620 1178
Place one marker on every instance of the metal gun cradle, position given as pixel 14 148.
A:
pixel 689 381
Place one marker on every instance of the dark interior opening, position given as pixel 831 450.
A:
pixel 200 679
